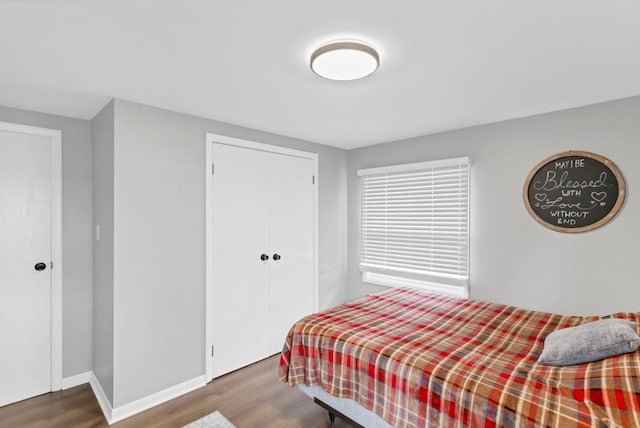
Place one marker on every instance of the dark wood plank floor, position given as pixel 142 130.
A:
pixel 250 397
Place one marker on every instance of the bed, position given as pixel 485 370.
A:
pixel 419 359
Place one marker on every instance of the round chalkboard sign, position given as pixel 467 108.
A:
pixel 574 191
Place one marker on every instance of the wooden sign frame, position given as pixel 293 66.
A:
pixel 571 154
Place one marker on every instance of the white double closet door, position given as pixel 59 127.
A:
pixel 263 252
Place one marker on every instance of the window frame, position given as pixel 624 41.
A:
pixel 455 285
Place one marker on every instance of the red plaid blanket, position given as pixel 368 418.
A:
pixel 422 359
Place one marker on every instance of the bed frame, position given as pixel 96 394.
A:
pixel 333 413
pixel 344 408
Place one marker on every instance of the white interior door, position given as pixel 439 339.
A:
pixel 262 204
pixel 25 293
pixel 291 212
pixel 241 279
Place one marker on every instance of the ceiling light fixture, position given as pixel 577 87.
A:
pixel 346 60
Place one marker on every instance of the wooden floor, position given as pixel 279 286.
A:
pixel 250 397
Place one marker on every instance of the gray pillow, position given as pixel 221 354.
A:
pixel 589 342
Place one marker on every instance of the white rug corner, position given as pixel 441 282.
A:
pixel 212 420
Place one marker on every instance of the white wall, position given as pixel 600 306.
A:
pixel 514 259
pixel 159 242
pixel 76 233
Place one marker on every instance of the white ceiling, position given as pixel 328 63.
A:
pixel 444 64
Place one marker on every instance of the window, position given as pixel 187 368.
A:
pixel 415 225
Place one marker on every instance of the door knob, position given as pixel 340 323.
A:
pixel 40 266
pixel 276 256
pixel 264 257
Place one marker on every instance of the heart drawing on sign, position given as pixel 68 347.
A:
pixel 598 196
pixel 541 196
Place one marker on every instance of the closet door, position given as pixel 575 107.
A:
pixel 291 213
pixel 263 208
pixel 240 298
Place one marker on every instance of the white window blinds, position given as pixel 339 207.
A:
pixel 415 221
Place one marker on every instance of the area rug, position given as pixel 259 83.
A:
pixel 212 420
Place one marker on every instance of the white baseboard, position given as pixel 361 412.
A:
pixel 79 379
pixel 123 412
pixel 119 413
pixel 101 397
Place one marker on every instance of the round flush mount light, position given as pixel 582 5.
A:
pixel 345 60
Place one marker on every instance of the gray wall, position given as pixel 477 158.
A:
pixel 159 220
pixel 102 127
pixel 514 259
pixel 76 233
pixel 149 274
pixel 159 242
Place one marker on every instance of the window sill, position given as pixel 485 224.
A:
pixel 396 281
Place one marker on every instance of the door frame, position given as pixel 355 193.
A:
pixel 55 137
pixel 223 139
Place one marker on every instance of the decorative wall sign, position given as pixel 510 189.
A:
pixel 574 191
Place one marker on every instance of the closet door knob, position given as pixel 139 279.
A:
pixel 40 266
pixel 264 257
pixel 276 256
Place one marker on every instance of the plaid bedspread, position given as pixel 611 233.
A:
pixel 422 359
